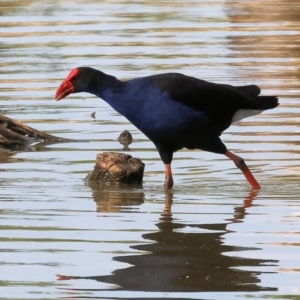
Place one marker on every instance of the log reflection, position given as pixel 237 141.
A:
pixel 111 197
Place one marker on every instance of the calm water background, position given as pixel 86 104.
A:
pixel 222 240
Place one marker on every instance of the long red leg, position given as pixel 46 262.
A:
pixel 240 163
pixel 168 177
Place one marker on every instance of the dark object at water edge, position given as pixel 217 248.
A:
pixel 14 133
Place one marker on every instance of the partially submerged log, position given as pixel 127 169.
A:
pixel 117 167
pixel 15 133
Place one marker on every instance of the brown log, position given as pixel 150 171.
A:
pixel 117 167
pixel 11 123
pixel 11 135
pixel 6 142
pixel 14 132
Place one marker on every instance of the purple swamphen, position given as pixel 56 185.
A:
pixel 173 110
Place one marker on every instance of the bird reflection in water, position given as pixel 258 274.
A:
pixel 187 262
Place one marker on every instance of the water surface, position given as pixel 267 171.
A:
pixel 211 237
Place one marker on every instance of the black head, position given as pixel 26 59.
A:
pixel 79 80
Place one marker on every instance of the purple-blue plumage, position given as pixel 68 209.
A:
pixel 173 110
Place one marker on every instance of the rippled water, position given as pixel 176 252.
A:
pixel 218 239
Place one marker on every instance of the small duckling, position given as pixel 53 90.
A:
pixel 125 139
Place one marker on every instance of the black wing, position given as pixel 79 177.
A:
pixel 219 101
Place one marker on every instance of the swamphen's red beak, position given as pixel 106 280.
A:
pixel 65 89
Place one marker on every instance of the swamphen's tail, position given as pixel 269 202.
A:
pixel 266 102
